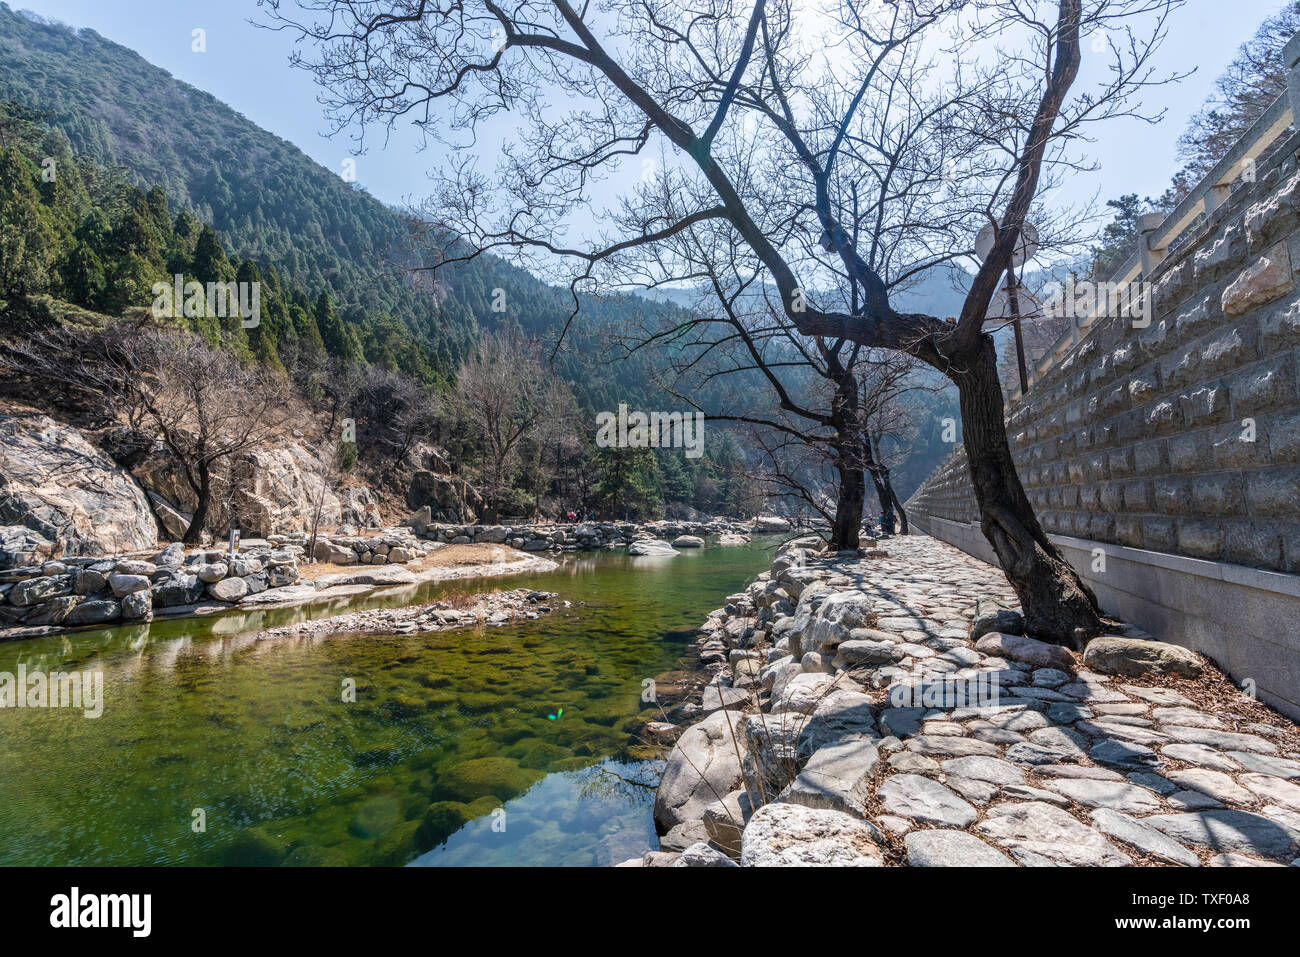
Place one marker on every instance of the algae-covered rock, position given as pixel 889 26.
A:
pixel 376 816
pixel 445 818
pixel 397 846
pixel 313 855
pixel 256 848
pixel 539 755
pixel 500 777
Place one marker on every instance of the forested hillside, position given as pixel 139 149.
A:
pixel 272 204
pixel 218 198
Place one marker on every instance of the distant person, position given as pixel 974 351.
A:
pixel 571 515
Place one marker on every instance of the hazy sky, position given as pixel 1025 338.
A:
pixel 247 68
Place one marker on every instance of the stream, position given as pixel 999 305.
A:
pixel 508 745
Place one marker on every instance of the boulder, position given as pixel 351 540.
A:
pixel 33 591
pixel 94 613
pixel 725 820
pixel 210 572
pixel 173 554
pixel 228 589
pixel 770 525
pixel 990 617
pixel 791 835
pixel 68 493
pixel 280 575
pixel 837 777
pixel 174 522
pixel 1040 654
pixel 332 552
pixel 52 612
pixel 124 585
pixel 178 588
pixel 703 765
pixel 835 620
pixel 702 855
pixel 20 545
pixel 137 606
pixel 772 758
pixel 1134 657
pixel 651 547
pixel 688 541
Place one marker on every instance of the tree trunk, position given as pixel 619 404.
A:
pixel 847 527
pixel 1054 599
pixel 886 500
pixel 902 514
pixel 204 496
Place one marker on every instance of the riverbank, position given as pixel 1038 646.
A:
pixel 491 608
pixel 888 710
pixel 95 591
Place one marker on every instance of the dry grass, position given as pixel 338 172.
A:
pixel 458 556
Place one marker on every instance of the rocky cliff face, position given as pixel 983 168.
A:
pixel 272 492
pixel 62 496
pixel 59 495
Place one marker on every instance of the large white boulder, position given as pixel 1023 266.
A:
pixel 791 835
pixel 651 547
pixel 68 492
pixel 704 766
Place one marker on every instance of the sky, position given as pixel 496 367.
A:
pixel 248 69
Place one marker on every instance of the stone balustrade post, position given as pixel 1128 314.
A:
pixel 1148 223
pixel 1291 58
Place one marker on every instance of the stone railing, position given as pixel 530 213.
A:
pixel 1159 234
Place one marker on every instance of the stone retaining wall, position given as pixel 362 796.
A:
pixel 1174 448
pixel 1183 436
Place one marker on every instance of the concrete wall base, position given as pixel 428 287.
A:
pixel 1246 619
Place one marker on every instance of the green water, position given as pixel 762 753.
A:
pixel 447 754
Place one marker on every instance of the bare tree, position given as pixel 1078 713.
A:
pixel 324 468
pixel 506 395
pixel 763 119
pixel 885 380
pixel 202 403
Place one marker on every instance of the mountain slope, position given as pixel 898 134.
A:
pixel 270 202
